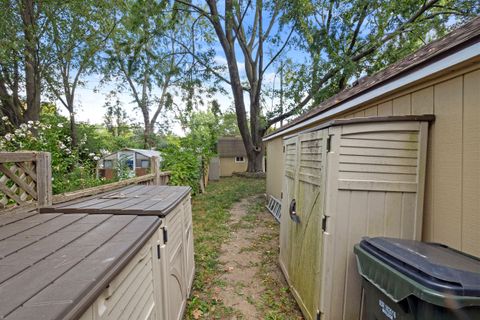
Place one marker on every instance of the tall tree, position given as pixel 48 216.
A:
pixel 236 35
pixel 77 31
pixel 339 40
pixel 22 26
pixel 115 118
pixel 143 56
pixel 346 41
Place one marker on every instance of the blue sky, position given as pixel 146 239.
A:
pixel 91 98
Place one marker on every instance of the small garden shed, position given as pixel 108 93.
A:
pixel 137 161
pixel 232 156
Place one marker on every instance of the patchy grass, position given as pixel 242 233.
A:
pixel 210 217
pixel 276 302
pixel 211 229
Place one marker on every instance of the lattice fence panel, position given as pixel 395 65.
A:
pixel 18 183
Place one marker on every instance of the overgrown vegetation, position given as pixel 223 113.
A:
pixel 210 217
pixel 73 166
pixel 187 158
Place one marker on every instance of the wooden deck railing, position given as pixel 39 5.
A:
pixel 26 181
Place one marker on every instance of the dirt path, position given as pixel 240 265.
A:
pixel 252 284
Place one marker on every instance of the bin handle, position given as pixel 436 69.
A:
pixel 293 211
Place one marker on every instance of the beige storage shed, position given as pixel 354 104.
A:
pixel 156 282
pixel 232 156
pixel 344 180
pixel 442 78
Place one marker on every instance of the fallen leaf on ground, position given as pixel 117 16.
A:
pixel 197 314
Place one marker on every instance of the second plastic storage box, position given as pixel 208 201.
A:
pixel 406 279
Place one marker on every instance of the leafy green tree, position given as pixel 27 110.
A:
pixel 115 118
pixel 143 56
pixel 22 58
pixel 342 40
pixel 345 41
pixel 78 31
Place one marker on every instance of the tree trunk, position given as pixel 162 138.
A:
pixel 255 160
pixel 32 72
pixel 148 133
pixel 73 130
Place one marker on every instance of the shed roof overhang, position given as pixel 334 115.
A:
pixel 463 52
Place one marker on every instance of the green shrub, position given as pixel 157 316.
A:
pixel 184 166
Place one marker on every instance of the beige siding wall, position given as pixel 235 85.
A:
pixel 452 197
pixel 452 194
pixel 229 166
pixel 275 167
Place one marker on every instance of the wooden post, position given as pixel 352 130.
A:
pixel 164 178
pixel 44 179
pixel 155 166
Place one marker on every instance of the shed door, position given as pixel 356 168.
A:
pixel 288 194
pixel 304 182
pixel 376 174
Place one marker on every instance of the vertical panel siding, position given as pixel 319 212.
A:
pixel 385 109
pixel 471 164
pixel 401 106
pixel 228 166
pixel 452 193
pixel 447 155
pixel 274 167
pixel 371 112
pixel 452 189
pixel 422 101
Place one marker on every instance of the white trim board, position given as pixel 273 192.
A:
pixel 440 65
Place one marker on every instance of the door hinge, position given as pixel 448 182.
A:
pixel 283 149
pixel 329 143
pixel 324 223
pixel 281 195
pixel 165 235
pixel 158 251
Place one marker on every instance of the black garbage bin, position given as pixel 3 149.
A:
pixel 406 279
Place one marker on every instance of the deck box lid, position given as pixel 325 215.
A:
pixel 433 265
pixel 54 266
pixel 137 200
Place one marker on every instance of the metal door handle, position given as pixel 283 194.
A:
pixel 293 211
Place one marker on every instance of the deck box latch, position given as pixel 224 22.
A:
pixel 165 235
pixel 324 223
pixel 329 143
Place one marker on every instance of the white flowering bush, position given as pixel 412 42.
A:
pixel 72 168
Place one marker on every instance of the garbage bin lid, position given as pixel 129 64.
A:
pixel 433 265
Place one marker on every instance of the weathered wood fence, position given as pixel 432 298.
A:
pixel 26 181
